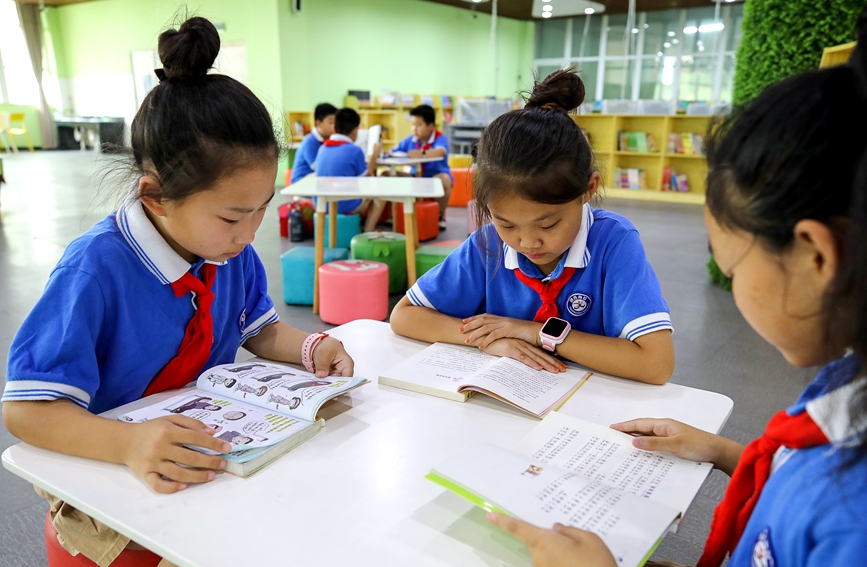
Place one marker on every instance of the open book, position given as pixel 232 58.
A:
pixel 367 139
pixel 263 409
pixel 457 372
pixel 583 475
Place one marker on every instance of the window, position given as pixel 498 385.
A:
pixel 17 73
pixel 618 79
pixel 586 35
pixel 588 70
pixel 550 39
pixel 662 33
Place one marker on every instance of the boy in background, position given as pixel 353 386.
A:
pixel 340 157
pixel 305 155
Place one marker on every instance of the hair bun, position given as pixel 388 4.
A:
pixel 189 51
pixel 562 90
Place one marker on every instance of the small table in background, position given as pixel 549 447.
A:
pixel 333 189
pixel 394 162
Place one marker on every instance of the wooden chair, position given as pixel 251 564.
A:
pixel 18 118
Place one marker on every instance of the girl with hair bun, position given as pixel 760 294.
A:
pixel 159 290
pixel 787 218
pixel 547 275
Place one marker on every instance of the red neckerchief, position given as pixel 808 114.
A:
pixel 334 143
pixel 754 467
pixel 195 349
pixel 547 291
pixel 426 146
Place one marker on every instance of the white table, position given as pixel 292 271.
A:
pixel 354 494
pixel 333 189
pixel 394 162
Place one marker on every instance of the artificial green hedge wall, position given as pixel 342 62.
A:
pixel 784 37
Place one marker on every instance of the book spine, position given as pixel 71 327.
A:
pixel 666 178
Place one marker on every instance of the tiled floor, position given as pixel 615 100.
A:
pixel 53 197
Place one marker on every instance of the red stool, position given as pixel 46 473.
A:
pixel 287 177
pixel 59 557
pixel 427 214
pixel 462 191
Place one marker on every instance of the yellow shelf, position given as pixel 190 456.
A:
pixel 689 198
pixel 685 156
pixel 638 154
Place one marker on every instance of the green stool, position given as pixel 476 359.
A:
pixel 427 257
pixel 388 248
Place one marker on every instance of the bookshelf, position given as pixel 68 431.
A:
pixel 305 117
pixel 388 119
pixel 603 129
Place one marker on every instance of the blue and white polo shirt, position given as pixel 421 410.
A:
pixel 345 160
pixel 813 509
pixel 305 155
pixel 613 292
pixel 108 320
pixel 437 140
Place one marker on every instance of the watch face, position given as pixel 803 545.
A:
pixel 554 327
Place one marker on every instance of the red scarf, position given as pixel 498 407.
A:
pixel 198 338
pixel 548 292
pixel 334 143
pixel 426 147
pixel 731 516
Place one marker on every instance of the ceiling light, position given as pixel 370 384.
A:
pixel 659 53
pixel 646 26
pixel 547 8
pixel 546 0
pixel 589 11
pixel 671 34
pixel 546 14
pixel 666 44
pixel 715 27
pixel 690 30
pixel 675 41
pixel 634 30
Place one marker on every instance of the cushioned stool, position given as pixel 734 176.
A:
pixel 353 289
pixel 287 177
pixel 347 227
pixel 307 211
pixel 297 265
pixel 427 257
pixel 388 248
pixel 427 214
pixel 462 191
pixel 59 557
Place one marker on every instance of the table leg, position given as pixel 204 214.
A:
pixel 411 239
pixel 319 258
pixel 332 226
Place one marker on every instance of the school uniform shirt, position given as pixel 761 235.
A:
pixel 108 320
pixel 340 157
pixel 436 140
pixel 305 155
pixel 613 291
pixel 812 511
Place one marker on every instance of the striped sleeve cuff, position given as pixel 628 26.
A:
pixel 416 297
pixel 36 390
pixel 256 326
pixel 646 324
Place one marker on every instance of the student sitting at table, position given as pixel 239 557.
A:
pixel 340 157
pixel 548 274
pixel 305 155
pixel 159 290
pixel 427 141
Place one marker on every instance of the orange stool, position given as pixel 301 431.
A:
pixel 462 191
pixel 427 214
pixel 288 177
pixel 59 557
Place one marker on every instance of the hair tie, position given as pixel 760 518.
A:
pixel 160 73
pixel 551 106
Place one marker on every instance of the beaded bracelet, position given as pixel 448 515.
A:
pixel 310 344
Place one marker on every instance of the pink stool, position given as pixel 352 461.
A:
pixel 353 289
pixel 59 557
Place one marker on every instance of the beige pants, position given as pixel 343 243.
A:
pixel 79 533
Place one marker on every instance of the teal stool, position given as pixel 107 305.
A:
pixel 427 257
pixel 297 265
pixel 388 248
pixel 347 227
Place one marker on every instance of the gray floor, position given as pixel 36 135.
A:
pixel 52 197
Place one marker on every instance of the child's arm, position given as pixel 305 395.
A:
pixel 152 450
pixel 281 342
pixel 371 162
pixel 432 152
pixel 432 326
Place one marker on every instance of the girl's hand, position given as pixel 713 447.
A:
pixel 331 359
pixel 488 328
pixel 560 546
pixel 683 441
pixel 156 453
pixel 528 354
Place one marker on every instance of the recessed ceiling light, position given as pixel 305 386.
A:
pixel 546 14
pixel 547 8
pixel 634 30
pixel 671 34
pixel 715 27
pixel 690 30
pixel 646 26
pixel 675 41
pixel 589 11
pixel 659 54
pixel 666 44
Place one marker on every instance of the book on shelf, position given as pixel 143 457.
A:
pixel 638 142
pixel 629 178
pixel 407 100
pixel 583 475
pixel 427 99
pixel 666 178
pixel 458 372
pixel 682 183
pixel 387 101
pixel 685 144
pixel 263 409
pixel 674 181
pixel 448 101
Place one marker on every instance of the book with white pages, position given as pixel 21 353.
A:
pixel 458 372
pixel 583 475
pixel 368 138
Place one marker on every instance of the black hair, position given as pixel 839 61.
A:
pixel 346 120
pixel 323 111
pixel 425 112
pixel 537 153
pixel 793 153
pixel 194 128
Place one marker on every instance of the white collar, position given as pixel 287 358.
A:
pixel 579 254
pixel 341 138
pixel 149 245
pixel 317 135
pixel 831 413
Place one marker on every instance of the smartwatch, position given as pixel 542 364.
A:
pixel 554 332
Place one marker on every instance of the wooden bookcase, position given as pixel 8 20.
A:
pixel 293 116
pixel 603 129
pixel 388 119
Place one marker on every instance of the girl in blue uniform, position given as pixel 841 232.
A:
pixel 161 289
pixel 545 260
pixel 787 219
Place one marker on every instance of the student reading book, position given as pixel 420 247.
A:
pixel 583 475
pixel 456 373
pixel 262 409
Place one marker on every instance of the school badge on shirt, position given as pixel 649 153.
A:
pixel 242 322
pixel 578 304
pixel 763 551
